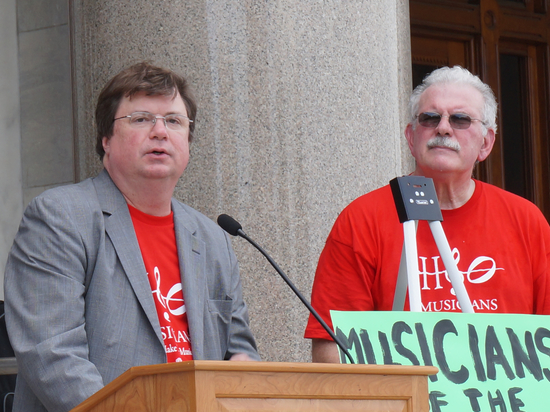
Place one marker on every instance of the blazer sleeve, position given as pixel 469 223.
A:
pixel 45 288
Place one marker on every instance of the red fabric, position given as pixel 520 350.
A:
pixel 157 241
pixel 500 241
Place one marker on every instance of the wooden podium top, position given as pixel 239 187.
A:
pixel 256 380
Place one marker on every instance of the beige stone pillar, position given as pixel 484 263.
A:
pixel 11 196
pixel 301 110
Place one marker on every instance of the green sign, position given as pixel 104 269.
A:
pixel 487 362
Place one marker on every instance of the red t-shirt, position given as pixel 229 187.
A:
pixel 500 242
pixel 157 241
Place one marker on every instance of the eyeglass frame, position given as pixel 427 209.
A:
pixel 449 116
pixel 155 117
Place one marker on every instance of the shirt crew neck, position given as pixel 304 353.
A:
pixel 150 219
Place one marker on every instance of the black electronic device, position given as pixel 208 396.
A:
pixel 415 198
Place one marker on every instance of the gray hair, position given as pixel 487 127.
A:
pixel 459 75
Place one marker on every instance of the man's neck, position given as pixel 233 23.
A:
pixel 151 196
pixel 152 205
pixel 452 193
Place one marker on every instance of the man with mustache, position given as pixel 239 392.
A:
pixel 500 242
pixel 113 272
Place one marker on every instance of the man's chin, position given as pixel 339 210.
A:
pixel 162 171
pixel 159 173
pixel 439 164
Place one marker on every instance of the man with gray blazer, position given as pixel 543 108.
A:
pixel 113 272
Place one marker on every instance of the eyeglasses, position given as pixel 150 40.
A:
pixel 457 120
pixel 146 121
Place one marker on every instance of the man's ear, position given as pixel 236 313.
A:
pixel 409 135
pixel 106 143
pixel 487 146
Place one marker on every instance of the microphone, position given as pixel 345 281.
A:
pixel 234 228
pixel 229 224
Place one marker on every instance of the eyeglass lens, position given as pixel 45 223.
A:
pixel 148 120
pixel 457 120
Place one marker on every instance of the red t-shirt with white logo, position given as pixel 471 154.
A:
pixel 499 241
pixel 157 241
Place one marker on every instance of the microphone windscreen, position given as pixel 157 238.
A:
pixel 229 224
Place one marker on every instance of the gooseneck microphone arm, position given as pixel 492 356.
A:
pixel 234 228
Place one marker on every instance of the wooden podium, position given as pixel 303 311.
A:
pixel 264 386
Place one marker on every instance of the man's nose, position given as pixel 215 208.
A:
pixel 444 126
pixel 159 127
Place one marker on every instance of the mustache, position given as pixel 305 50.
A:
pixel 439 141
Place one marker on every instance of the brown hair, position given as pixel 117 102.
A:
pixel 139 78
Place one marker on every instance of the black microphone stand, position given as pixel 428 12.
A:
pixel 241 233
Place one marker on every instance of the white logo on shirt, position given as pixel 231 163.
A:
pixel 169 300
pixel 482 269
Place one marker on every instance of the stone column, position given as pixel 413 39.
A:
pixel 11 195
pixel 301 110
pixel 36 139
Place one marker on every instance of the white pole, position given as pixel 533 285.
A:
pixel 413 274
pixel 457 280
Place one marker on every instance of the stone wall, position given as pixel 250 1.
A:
pixel 301 108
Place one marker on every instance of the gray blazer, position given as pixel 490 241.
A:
pixel 79 308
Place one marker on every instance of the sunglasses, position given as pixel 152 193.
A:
pixel 457 120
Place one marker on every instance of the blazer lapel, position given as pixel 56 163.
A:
pixel 120 229
pixel 191 253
